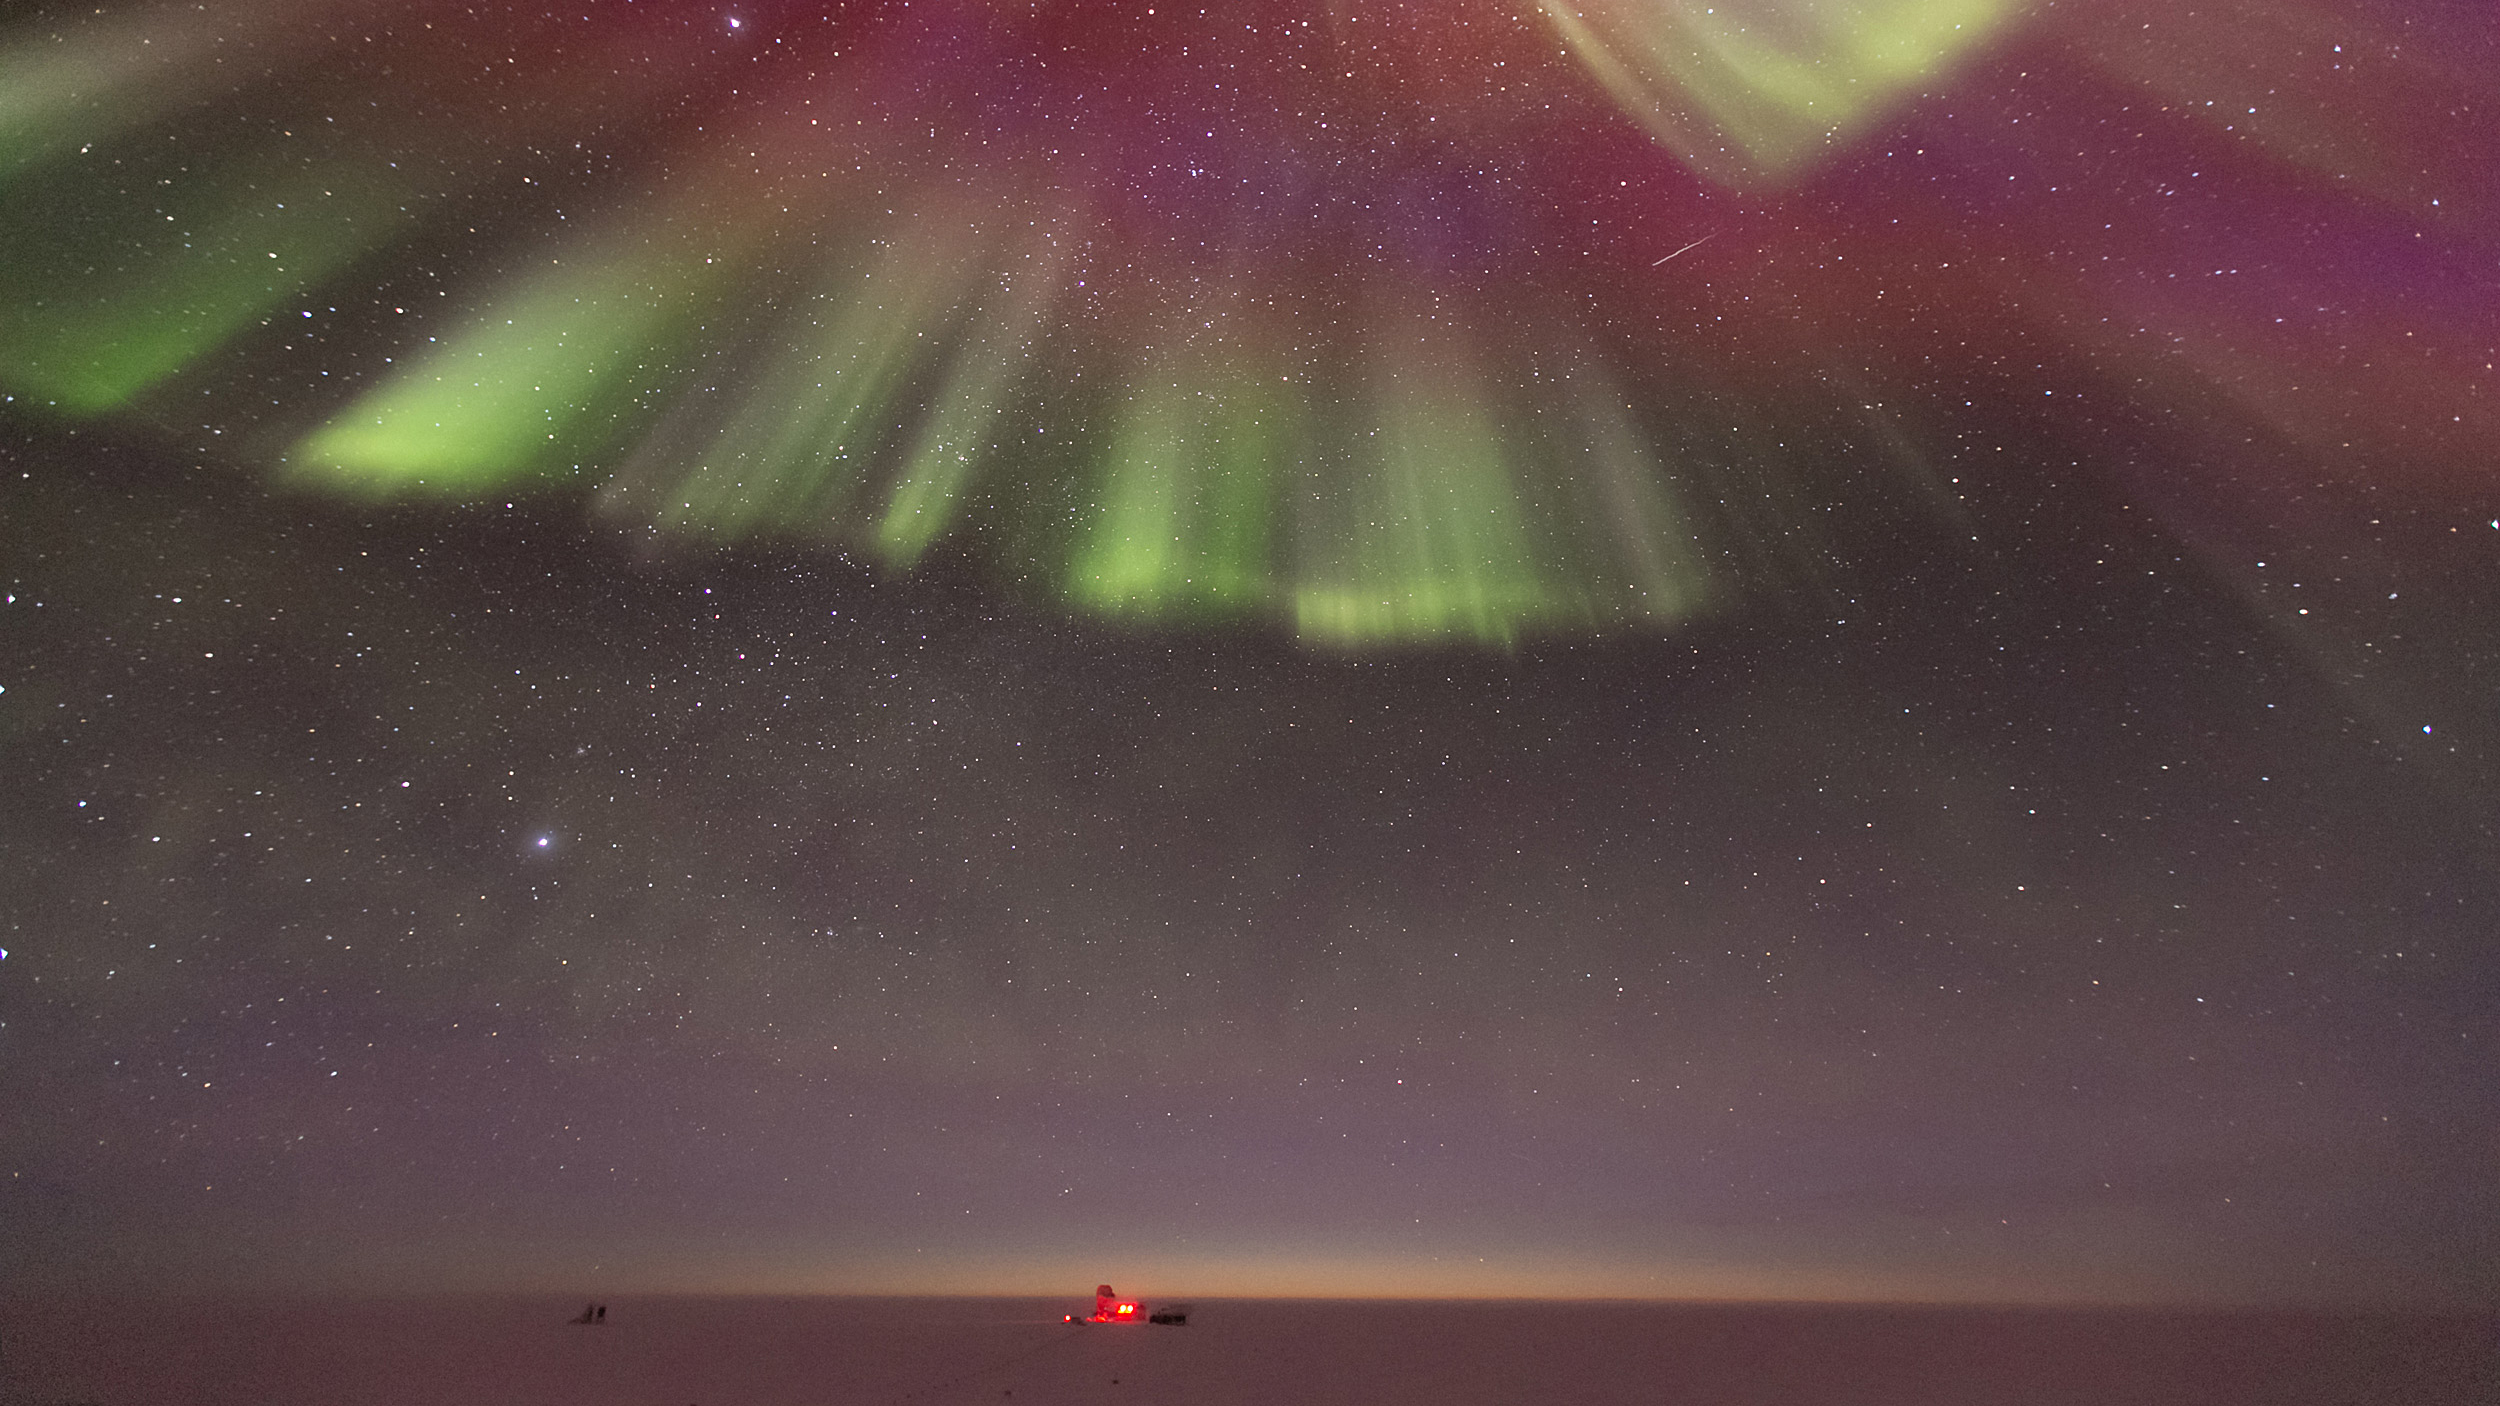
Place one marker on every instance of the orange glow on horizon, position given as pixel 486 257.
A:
pixel 1732 1272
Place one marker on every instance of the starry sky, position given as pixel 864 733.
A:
pixel 1587 649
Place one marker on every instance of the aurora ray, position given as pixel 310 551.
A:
pixel 1750 93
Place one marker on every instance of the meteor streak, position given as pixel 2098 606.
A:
pixel 1690 247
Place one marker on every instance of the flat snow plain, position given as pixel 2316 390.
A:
pixel 1016 1352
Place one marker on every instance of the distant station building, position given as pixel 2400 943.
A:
pixel 1109 1307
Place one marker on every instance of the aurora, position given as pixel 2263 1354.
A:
pixel 1376 323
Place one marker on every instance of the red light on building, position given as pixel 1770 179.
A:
pixel 1111 1308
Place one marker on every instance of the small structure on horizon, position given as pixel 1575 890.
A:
pixel 1109 1307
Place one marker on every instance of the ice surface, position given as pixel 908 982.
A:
pixel 1011 1352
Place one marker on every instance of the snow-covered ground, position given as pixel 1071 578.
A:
pixel 1016 1352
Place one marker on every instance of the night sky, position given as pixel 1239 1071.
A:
pixel 1311 647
